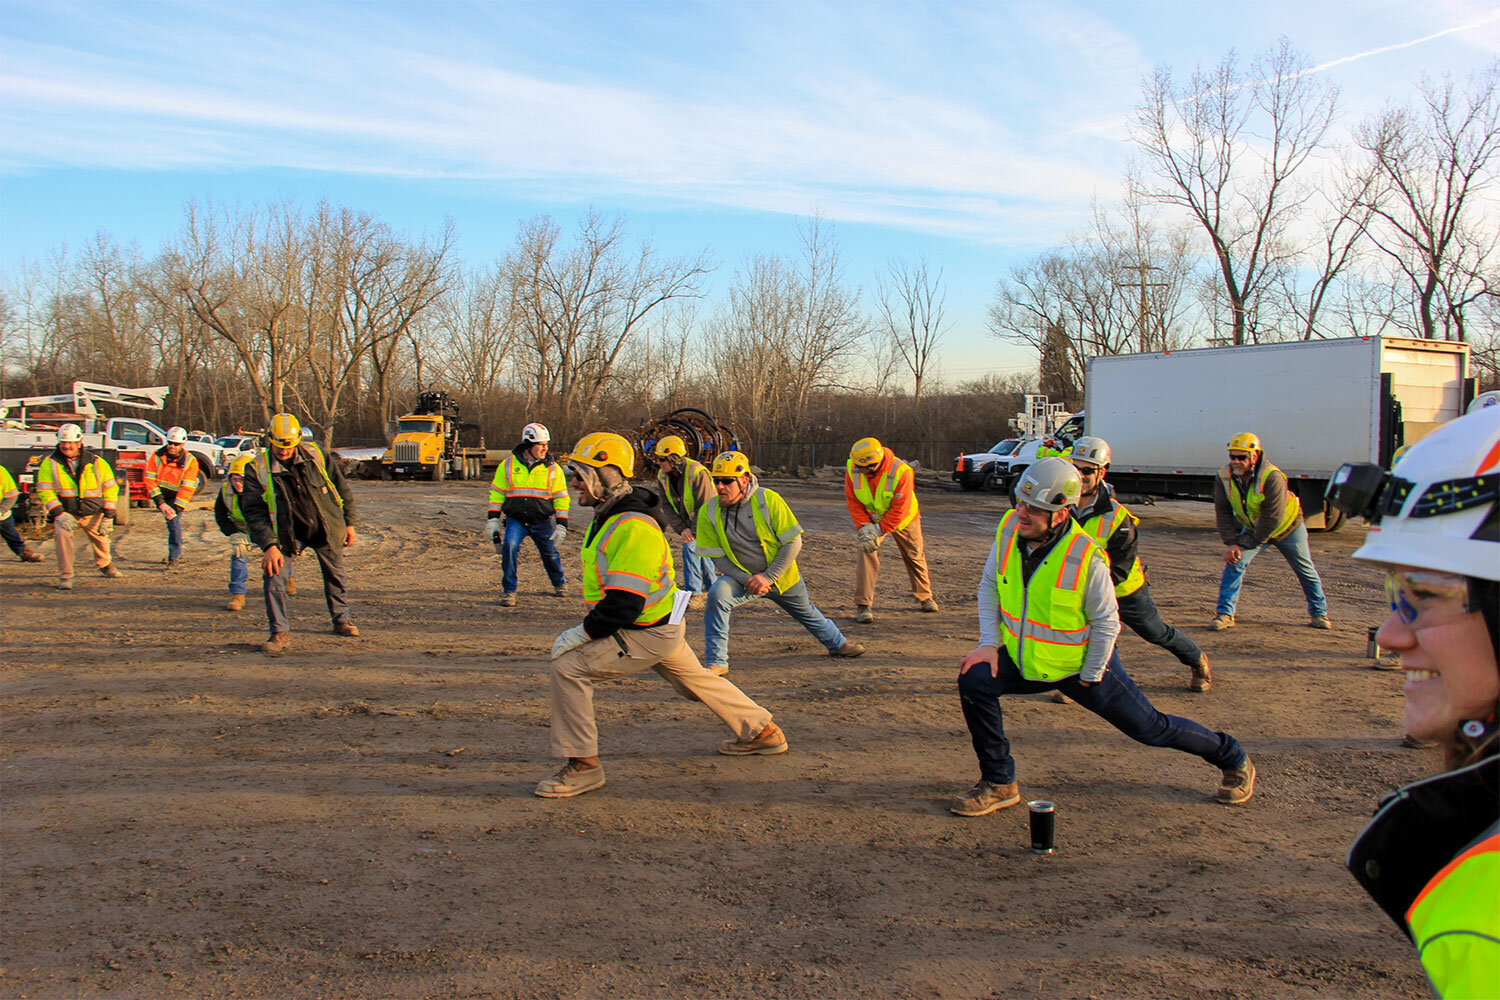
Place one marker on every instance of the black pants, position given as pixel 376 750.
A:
pixel 1138 611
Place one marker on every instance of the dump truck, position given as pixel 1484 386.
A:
pixel 432 443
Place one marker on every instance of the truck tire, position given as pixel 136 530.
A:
pixel 1333 518
pixel 461 468
pixel 478 466
pixel 439 471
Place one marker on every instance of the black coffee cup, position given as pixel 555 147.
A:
pixel 1043 825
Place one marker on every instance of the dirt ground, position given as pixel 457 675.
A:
pixel 184 817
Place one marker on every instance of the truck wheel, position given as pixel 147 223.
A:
pixel 461 468
pixel 439 471
pixel 478 467
pixel 1333 518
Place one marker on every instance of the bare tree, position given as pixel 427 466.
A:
pixel 911 303
pixel 1225 149
pixel 1433 164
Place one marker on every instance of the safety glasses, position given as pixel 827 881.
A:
pixel 1238 456
pixel 1085 473
pixel 720 481
pixel 1425 599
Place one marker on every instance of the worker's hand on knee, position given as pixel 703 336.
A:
pixel 272 561
pixel 688 534
pixel 570 640
pixel 982 654
pixel 1232 554
pixel 167 510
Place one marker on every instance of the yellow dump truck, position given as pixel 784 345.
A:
pixel 432 443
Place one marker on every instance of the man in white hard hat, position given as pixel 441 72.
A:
pixel 78 490
pixel 172 478
pixel 1048 621
pixel 529 499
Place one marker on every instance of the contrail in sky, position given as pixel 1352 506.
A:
pixel 1402 45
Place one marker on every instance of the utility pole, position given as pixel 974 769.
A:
pixel 1143 338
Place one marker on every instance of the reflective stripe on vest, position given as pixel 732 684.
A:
pixel 1101 527
pixel 1455 922
pixel 543 481
pixel 878 504
pixel 8 487
pixel 717 544
pixel 687 503
pixel 96 481
pixel 268 489
pixel 163 472
pixel 1042 622
pixel 1256 495
pixel 643 565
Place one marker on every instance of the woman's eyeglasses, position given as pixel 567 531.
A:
pixel 1424 599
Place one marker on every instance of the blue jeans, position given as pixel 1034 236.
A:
pixel 697 571
pixel 1294 548
pixel 12 537
pixel 239 573
pixel 726 594
pixel 174 537
pixel 1115 699
pixel 510 550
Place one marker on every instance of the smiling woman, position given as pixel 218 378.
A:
pixel 1431 856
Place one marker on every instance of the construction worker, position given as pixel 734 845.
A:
pixel 295 499
pixel 881 492
pixel 632 624
pixel 754 539
pixel 231 522
pixel 1253 507
pixel 686 485
pixel 9 491
pixel 1431 856
pixel 78 489
pixel 172 477
pixel 529 498
pixel 1048 621
pixel 1112 525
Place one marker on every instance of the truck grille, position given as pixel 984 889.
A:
pixel 408 451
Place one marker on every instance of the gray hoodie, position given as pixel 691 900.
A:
pixel 739 527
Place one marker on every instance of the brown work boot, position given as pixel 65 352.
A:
pixel 984 798
pixel 769 740
pixel 1319 621
pixel 110 571
pixel 173 565
pixel 573 779
pixel 863 614
pixel 1221 622
pixel 1238 785
pixel 236 602
pixel 291 588
pixel 849 649
pixel 345 628
pixel 928 606
pixel 27 555
pixel 275 645
pixel 508 600
pixel 1203 678
pixel 1389 659
pixel 560 591
pixel 718 669
pixel 64 584
pixel 698 602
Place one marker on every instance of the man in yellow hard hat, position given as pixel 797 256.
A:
pixel 296 499
pixel 634 622
pixel 1253 508
pixel 880 490
pixel 686 486
pixel 754 539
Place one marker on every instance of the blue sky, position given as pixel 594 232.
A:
pixel 972 133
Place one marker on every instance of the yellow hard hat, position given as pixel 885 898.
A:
pixel 732 463
pixel 1244 441
pixel 238 466
pixel 867 451
pixel 670 446
pixel 285 431
pixel 602 448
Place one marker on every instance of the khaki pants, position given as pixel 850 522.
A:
pixel 64 540
pixel 909 541
pixel 662 648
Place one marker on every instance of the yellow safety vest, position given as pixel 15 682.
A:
pixel 1256 495
pixel 1455 922
pixel 1042 623
pixel 630 553
pixel 96 481
pixel 232 504
pixel 775 525
pixel 268 488
pixel 687 503
pixel 8 487
pixel 1101 527
pixel 543 481
pixel 876 504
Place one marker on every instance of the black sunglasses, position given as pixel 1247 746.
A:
pixel 725 480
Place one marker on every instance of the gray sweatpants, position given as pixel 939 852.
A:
pixel 331 562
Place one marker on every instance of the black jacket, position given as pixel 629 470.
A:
pixel 618 609
pixel 290 534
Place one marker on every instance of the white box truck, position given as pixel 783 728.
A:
pixel 1315 404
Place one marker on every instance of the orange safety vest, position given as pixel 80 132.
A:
pixel 179 475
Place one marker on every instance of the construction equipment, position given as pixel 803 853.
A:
pixel 431 442
pixel 704 436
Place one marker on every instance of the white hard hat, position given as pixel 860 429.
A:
pixel 1441 510
pixel 176 435
pixel 535 434
pixel 1092 450
pixel 69 432
pixel 1050 484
